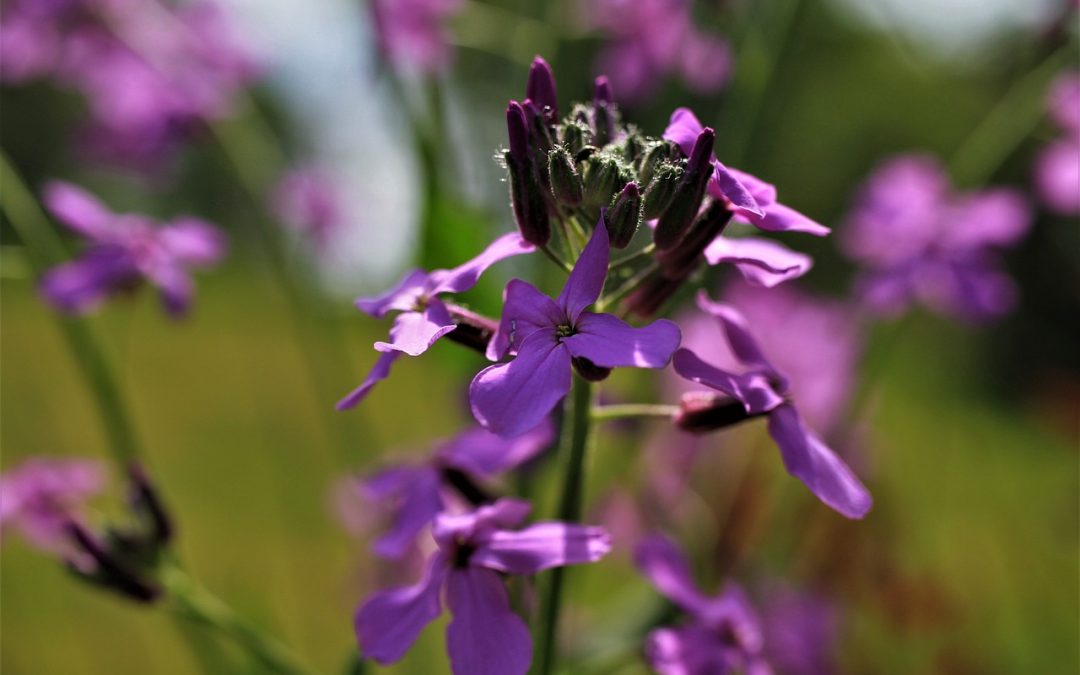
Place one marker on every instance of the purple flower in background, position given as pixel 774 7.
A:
pixel 306 199
pixel 722 634
pixel 761 261
pixel 651 39
pixel 125 249
pixel 411 33
pixel 800 631
pixel 43 495
pixel 476 549
pixel 1057 168
pixel 921 243
pixel 764 390
pixel 415 494
pixel 547 336
pixel 424 318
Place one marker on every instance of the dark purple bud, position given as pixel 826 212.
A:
pixel 466 486
pixel 601 180
pixel 624 216
pixel 566 185
pixel 473 330
pixel 528 202
pixel 107 571
pixel 589 370
pixel 648 300
pixel 602 92
pixel 146 503
pixel 518 131
pixel 702 411
pixel 701 155
pixel 541 89
pixel 680 261
pixel 536 123
pixel 688 195
pixel 661 190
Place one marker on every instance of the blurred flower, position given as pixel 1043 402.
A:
pixel 411 33
pixel 652 39
pixel 550 337
pixel 305 199
pixel 920 242
pixel 43 495
pixel 125 249
pixel 1057 168
pixel 475 550
pixel 424 318
pixel 411 495
pixel 800 631
pixel 723 633
pixel 764 390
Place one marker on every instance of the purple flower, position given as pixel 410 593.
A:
pixel 424 318
pixel 547 336
pixel 761 261
pixel 763 390
pixel 722 634
pixel 124 250
pixel 43 495
pixel 415 494
pixel 800 631
pixel 921 243
pixel 475 550
pixel 1057 168
pixel 306 199
pixel 411 33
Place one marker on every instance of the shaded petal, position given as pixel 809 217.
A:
pixel 663 564
pixel 402 297
pixel 610 342
pixel 175 286
pixel 82 284
pixel 781 218
pixel 807 458
pixel 389 622
pixel 997 217
pixel 683 129
pixel 736 330
pixel 414 332
pixel 511 398
pixel 464 276
pixel 586 282
pixel 753 388
pixel 525 310
pixel 414 492
pixel 193 241
pixel 452 528
pixel 485 637
pixel 761 261
pixel 542 546
pixel 725 185
pixel 483 454
pixel 380 371
pixel 689 650
pixel 764 193
pixel 78 210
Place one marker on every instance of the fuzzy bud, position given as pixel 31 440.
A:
pixel 601 180
pixel 688 194
pixel 701 412
pixel 574 137
pixel 526 192
pixel 540 89
pixel 566 184
pixel 604 118
pixel 656 155
pixel 681 260
pixel 624 216
pixel 662 189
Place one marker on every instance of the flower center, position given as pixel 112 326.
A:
pixel 564 330
pixel 463 550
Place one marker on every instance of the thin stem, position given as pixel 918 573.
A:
pixel 576 439
pixel 559 262
pixel 633 257
pixel 632 410
pixel 626 289
pixel 44 248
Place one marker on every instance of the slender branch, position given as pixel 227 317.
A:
pixel 633 257
pixel 632 410
pixel 559 262
pixel 626 289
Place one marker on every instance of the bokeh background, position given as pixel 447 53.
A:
pixel 967 565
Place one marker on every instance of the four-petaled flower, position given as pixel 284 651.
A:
pixel 475 550
pixel 424 318
pixel 124 250
pixel 548 335
pixel 763 390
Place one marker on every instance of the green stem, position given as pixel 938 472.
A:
pixel 634 257
pixel 559 262
pixel 44 248
pixel 631 410
pixel 576 439
pixel 631 285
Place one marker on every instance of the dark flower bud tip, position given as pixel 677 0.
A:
pixel 518 131
pixel 541 89
pixel 688 195
pixel 566 185
pixel 602 92
pixel 624 216
pixel 701 412
pixel 680 261
pixel 472 330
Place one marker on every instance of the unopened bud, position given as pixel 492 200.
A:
pixel 662 189
pixel 681 260
pixel 540 88
pixel 655 156
pixel 601 180
pixel 465 486
pixel 688 195
pixel 100 567
pixel 589 370
pixel 651 297
pixel 518 131
pixel 536 122
pixel 473 330
pixel 624 216
pixel 147 506
pixel 574 137
pixel 702 411
pixel 566 184
pixel 604 117
pixel 527 201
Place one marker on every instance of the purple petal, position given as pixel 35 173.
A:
pixel 389 622
pixel 77 209
pixel 380 371
pixel 688 650
pixel 586 282
pixel 683 129
pixel 542 546
pixel 761 261
pixel 414 332
pixel 764 193
pixel 990 218
pixel 780 218
pixel 807 458
pixel 725 185
pixel 610 342
pixel 754 389
pixel 451 529
pixel 483 454
pixel 511 398
pixel 525 311
pixel 414 492
pixel 484 637
pixel 82 284
pixel 175 286
pixel 464 276
pixel 667 568
pixel 402 297
pixel 193 241
pixel 736 330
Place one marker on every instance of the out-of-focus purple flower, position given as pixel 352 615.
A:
pixel 1057 168
pixel 651 39
pixel 920 242
pixel 306 200
pixel 412 33
pixel 413 494
pixel 423 317
pixel 476 549
pixel 125 249
pixel 800 631
pixel 764 390
pixel 42 496
pixel 548 336
pixel 723 634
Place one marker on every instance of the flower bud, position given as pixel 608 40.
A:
pixel 681 260
pixel 147 507
pixel 540 88
pixel 604 117
pixel 624 216
pixel 99 566
pixel 574 137
pixel 651 297
pixel 688 194
pixel 703 411
pixel 661 190
pixel 465 486
pixel 601 180
pixel 518 131
pixel 655 156
pixel 566 184
pixel 473 330
pixel 540 137
pixel 589 370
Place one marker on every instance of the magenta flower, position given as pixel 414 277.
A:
pixel 548 336
pixel 43 495
pixel 761 261
pixel 1057 168
pixel 921 243
pixel 763 390
pixel 424 318
pixel 415 494
pixel 125 249
pixel 411 33
pixel 476 549
pixel 722 634
pixel 306 200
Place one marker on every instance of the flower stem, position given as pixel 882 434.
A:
pixel 559 262
pixel 576 440
pixel 631 410
pixel 631 284
pixel 44 248
pixel 634 257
